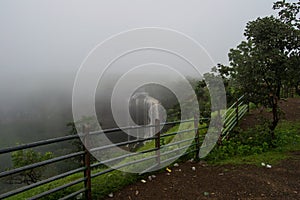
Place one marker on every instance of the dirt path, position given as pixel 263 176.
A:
pixel 290 111
pixel 281 181
pixel 220 182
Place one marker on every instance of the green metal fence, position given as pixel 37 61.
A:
pixel 233 114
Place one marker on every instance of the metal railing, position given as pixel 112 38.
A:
pixel 87 167
pixel 232 115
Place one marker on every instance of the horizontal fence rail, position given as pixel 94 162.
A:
pixel 233 114
pixel 159 151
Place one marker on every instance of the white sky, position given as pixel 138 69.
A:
pixel 39 39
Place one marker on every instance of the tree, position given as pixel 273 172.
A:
pixel 289 14
pixel 231 93
pixel 76 144
pixel 294 73
pixel 261 64
pixel 22 158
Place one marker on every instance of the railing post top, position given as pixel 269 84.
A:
pixel 157 121
pixel 85 129
pixel 196 116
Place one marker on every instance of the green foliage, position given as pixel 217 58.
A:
pixel 101 185
pixel 266 61
pixel 244 147
pixel 255 142
pixel 26 157
pixel 203 97
pixel 76 144
pixel 253 106
pixel 109 182
pixel 260 64
pixel 231 92
pixel 288 12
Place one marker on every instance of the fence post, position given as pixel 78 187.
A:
pixel 87 165
pixel 237 111
pixel 248 106
pixel 219 125
pixel 157 140
pixel 292 92
pixel 196 126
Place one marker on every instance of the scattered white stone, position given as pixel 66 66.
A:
pixel 206 193
pixel 150 178
pixel 179 170
pixel 194 168
pixel 203 163
pixel 168 174
pixel 153 176
pixel 191 160
pixel 269 166
pixel 136 192
pixel 143 181
pixel 176 165
pixel 111 195
pixel 263 164
pixel 79 196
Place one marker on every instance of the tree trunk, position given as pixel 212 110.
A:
pixel 275 116
pixel 297 89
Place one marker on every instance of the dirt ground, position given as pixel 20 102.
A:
pixel 220 182
pixel 200 181
pixel 290 110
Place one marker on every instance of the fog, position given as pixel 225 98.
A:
pixel 43 44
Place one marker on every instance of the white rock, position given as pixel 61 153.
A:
pixel 111 195
pixel 143 181
pixel 194 168
pixel 150 178
pixel 269 166
pixel 176 165
pixel 263 164
pixel 153 176
pixel 79 196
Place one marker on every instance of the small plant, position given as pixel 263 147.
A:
pixel 26 157
pixel 256 141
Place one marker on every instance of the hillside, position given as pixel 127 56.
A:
pixel 231 181
pixel 290 111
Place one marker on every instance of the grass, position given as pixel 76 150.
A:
pixel 168 144
pixel 101 185
pixel 246 147
pixel 287 140
pixel 51 185
pixel 270 157
pixel 111 181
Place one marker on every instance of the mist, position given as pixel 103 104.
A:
pixel 44 43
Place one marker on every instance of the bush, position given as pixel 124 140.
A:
pixel 255 141
pixel 26 157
